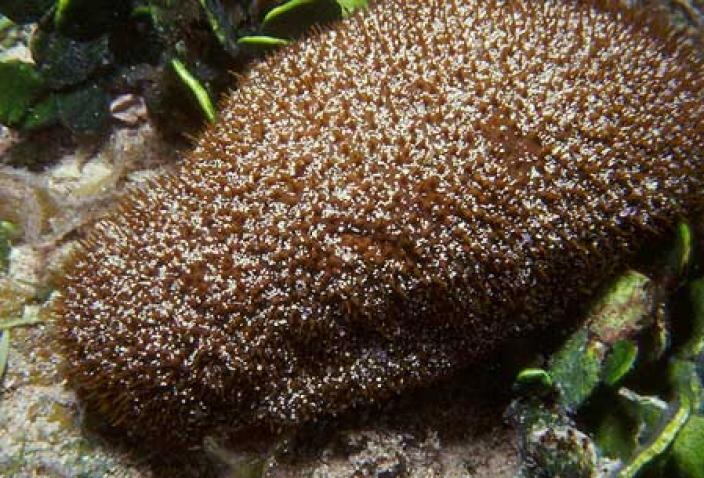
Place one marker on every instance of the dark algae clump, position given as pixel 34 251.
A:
pixel 380 204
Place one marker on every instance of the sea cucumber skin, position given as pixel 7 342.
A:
pixel 379 205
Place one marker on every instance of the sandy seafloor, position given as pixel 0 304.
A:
pixel 456 429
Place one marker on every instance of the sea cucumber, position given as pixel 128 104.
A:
pixel 384 202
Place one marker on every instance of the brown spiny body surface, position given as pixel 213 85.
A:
pixel 380 204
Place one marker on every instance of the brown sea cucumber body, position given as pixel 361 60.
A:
pixel 381 204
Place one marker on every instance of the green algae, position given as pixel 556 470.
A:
pixel 196 88
pixel 685 402
pixel 83 49
pixel 624 309
pixel 260 43
pixel 687 449
pixel 350 6
pixel 20 85
pixel 295 17
pixel 534 376
pixel 637 399
pixel 220 24
pixel 576 369
pixel 620 361
pixel 694 346
pixel 602 352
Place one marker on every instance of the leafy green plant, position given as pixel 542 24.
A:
pixel 604 389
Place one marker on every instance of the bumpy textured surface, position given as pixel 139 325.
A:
pixel 380 204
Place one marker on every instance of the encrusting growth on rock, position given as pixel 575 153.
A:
pixel 381 204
